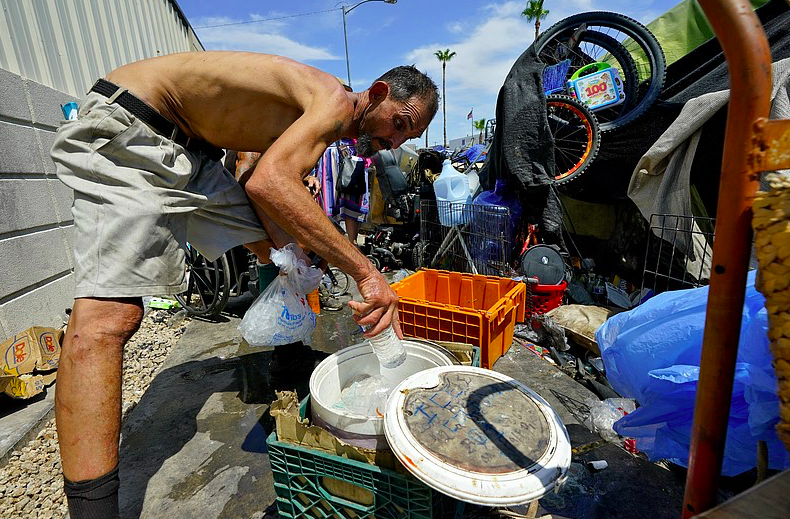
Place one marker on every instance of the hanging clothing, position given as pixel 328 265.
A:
pixel 354 206
pixel 661 181
pixel 326 171
pixel 342 205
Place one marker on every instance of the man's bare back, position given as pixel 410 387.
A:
pixel 291 113
pixel 235 100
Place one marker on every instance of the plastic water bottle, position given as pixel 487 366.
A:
pixel 452 192
pixel 388 348
pixel 500 196
pixel 599 291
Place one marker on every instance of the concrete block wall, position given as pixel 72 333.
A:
pixel 36 226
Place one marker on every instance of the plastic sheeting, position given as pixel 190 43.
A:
pixel 652 354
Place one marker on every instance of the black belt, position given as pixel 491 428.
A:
pixel 154 119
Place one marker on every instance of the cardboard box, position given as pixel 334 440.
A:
pixel 36 348
pixel 25 386
pixel 292 428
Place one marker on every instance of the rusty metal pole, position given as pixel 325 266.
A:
pixel 746 49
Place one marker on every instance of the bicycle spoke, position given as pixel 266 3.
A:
pixel 200 279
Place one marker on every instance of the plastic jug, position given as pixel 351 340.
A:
pixel 474 182
pixel 495 216
pixel 499 196
pixel 452 194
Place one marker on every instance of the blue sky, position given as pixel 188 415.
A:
pixel 487 36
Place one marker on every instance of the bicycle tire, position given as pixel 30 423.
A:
pixel 338 287
pixel 587 153
pixel 209 280
pixel 633 30
pixel 630 75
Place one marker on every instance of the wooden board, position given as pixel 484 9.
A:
pixel 768 500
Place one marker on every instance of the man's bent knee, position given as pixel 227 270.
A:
pixel 104 323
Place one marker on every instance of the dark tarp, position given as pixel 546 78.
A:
pixel 521 146
pixel 521 151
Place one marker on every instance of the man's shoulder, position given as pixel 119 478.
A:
pixel 329 101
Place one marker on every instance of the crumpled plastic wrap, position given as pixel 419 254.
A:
pixel 604 414
pixel 366 395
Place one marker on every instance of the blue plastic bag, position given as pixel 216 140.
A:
pixel 652 354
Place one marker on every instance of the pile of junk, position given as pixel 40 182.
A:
pixel 598 191
pixel 581 234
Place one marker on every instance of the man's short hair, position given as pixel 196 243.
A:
pixel 406 82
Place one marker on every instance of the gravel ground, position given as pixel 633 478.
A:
pixel 31 484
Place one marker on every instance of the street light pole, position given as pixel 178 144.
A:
pixel 347 10
pixel 345 38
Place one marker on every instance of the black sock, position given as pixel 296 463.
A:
pixel 93 498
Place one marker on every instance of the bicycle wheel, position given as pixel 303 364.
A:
pixel 576 136
pixel 208 284
pixel 375 260
pixel 616 39
pixel 336 282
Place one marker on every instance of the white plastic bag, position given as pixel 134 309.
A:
pixel 281 314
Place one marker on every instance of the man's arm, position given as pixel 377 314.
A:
pixel 276 189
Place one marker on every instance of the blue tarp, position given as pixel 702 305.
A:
pixel 474 153
pixel 652 354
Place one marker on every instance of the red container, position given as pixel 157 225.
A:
pixel 542 298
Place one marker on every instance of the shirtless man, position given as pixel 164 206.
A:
pixel 142 160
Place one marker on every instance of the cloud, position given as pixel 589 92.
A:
pixel 484 54
pixel 268 37
pixel 488 44
pixel 455 27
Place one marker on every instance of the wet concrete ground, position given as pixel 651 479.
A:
pixel 195 445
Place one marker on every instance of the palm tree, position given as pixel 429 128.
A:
pixel 480 125
pixel 444 56
pixel 534 11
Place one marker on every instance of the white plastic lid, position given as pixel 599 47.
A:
pixel 477 435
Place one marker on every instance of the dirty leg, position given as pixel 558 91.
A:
pixel 88 401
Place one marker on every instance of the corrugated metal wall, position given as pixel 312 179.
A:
pixel 51 51
pixel 68 44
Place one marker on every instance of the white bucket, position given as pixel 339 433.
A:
pixel 336 371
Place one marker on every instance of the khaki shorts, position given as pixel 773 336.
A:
pixel 138 199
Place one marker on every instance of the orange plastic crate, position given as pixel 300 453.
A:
pixel 451 306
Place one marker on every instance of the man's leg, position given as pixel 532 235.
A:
pixel 88 402
pixel 352 229
pixel 261 249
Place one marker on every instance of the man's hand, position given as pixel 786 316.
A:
pixel 313 185
pixel 380 306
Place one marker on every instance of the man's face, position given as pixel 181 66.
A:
pixel 391 123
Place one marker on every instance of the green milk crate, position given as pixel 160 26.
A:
pixel 313 484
